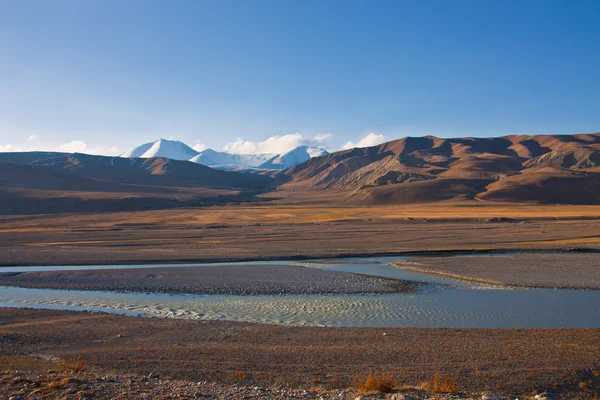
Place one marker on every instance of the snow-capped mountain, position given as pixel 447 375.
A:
pixel 293 157
pixel 137 151
pixel 211 157
pixel 176 150
pixel 172 149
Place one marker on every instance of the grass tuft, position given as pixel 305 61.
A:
pixel 375 383
pixel 57 385
pixel 79 365
pixel 440 384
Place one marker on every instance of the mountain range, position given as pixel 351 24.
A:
pixel 45 182
pixel 177 150
pixel 545 169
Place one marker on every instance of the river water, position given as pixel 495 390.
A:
pixel 444 303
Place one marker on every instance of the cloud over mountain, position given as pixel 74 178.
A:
pixel 79 146
pixel 277 144
pixel 36 143
pixel 74 146
pixel 372 139
pixel 199 147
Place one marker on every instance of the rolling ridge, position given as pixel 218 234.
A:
pixel 517 168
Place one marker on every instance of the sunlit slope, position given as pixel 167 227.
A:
pixel 543 168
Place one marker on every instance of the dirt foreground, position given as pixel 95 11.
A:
pixel 512 362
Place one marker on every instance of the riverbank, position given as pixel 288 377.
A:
pixel 534 270
pixel 515 362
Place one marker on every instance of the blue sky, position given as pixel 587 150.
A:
pixel 105 75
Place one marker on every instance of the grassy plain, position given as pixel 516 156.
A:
pixel 267 231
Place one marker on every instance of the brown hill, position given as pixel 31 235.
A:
pixel 149 171
pixel 542 168
pixel 56 182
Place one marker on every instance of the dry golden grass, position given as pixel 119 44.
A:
pixel 78 365
pixel 286 214
pixel 440 384
pixel 375 383
pixel 278 230
pixel 56 385
pixel 315 389
pixel 587 384
pixel 238 376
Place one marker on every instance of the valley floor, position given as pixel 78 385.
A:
pixel 258 232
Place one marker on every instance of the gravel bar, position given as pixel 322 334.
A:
pixel 541 270
pixel 254 279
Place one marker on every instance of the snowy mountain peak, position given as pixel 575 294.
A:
pixel 297 156
pixel 218 158
pixel 176 150
pixel 137 151
pixel 172 149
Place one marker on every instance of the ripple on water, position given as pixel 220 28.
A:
pixel 445 308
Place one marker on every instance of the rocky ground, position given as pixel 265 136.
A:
pixel 222 279
pixel 87 386
pixel 56 384
pixel 313 361
pixel 544 270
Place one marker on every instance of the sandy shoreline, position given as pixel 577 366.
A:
pixel 255 279
pixel 514 362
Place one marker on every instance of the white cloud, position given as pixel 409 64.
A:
pixel 33 139
pixel 371 139
pixel 79 146
pixel 323 137
pixel 6 148
pixel 199 147
pixel 106 151
pixel 74 146
pixel 276 144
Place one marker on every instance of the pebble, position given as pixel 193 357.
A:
pixel 400 396
pixel 544 396
pixel 154 375
pixel 490 396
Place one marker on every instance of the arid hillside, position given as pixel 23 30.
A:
pixel 56 182
pixel 560 169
